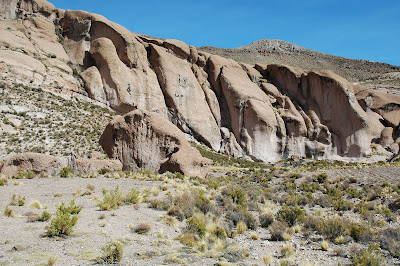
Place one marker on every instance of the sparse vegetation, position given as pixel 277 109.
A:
pixel 112 253
pixel 66 218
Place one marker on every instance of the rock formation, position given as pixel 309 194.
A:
pixel 148 141
pixel 52 165
pixel 259 112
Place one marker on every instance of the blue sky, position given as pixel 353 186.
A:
pixel 355 29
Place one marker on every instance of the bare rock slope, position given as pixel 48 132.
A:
pixel 262 112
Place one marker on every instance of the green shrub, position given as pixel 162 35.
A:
pixel 292 215
pixel 111 200
pixel 321 178
pixel 132 197
pixel 66 172
pixel 45 216
pixel 236 195
pixel 197 224
pixel 66 218
pixel 3 181
pixel 203 204
pixel 333 227
pixel 112 253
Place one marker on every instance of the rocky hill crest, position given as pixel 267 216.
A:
pixel 260 112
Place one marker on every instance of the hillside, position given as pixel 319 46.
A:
pixel 281 52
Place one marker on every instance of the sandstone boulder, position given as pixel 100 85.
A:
pixel 83 166
pixel 36 162
pixel 147 141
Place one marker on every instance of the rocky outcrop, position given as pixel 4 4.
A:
pixel 146 140
pixel 261 112
pixel 52 165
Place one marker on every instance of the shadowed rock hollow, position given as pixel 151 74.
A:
pixel 260 112
pixel 148 141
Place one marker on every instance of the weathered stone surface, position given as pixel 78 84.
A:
pixel 52 165
pixel 185 96
pixel 264 112
pixel 145 140
pixel 83 166
pixel 36 162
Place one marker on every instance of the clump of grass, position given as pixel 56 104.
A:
pixel 324 245
pixel 112 253
pixel 287 250
pixel 35 204
pixel 268 259
pixel 169 220
pixel 142 228
pixel 254 235
pixel 241 227
pixel 286 236
pixel 339 240
pixel 20 201
pixel 52 260
pixel 66 218
pixel 9 212
pixel 197 224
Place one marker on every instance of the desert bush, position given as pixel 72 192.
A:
pixel 370 256
pixel 333 227
pixel 45 216
pixel 340 204
pixel 20 201
pixel 142 228
pixel 66 172
pixel 177 212
pixel 111 200
pixel 237 214
pixel 203 204
pixel 390 240
pixel 156 204
pixel 322 178
pixel 291 214
pixel 277 229
pixel 266 219
pixel 112 253
pixel 132 197
pixel 360 232
pixel 3 181
pixel 237 195
pixel 197 224
pixel 66 218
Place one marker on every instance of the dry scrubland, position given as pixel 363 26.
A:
pixel 37 121
pixel 293 213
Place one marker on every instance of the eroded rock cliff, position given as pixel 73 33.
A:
pixel 264 113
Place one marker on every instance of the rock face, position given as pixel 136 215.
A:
pixel 52 165
pixel 146 140
pixel 263 113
